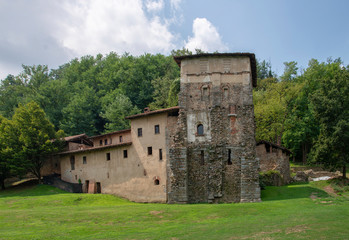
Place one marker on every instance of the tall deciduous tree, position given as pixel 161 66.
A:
pixel 35 134
pixel 331 106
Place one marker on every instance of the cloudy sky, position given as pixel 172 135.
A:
pixel 52 32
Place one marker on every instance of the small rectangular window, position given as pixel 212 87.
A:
pixel 105 141
pixel 72 162
pixel 139 132
pixel 150 150
pixel 125 153
pixel 157 129
pixel 100 142
pixel 160 154
pixel 120 139
pixel 84 160
pixel 108 156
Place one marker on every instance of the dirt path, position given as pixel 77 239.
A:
pixel 330 191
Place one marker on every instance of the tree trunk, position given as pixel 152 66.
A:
pixel 304 153
pixel 344 171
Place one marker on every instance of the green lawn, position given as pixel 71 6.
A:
pixel 44 212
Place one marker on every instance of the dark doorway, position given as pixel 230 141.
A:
pixel 99 190
pixel 87 183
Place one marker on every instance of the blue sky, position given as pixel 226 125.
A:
pixel 54 32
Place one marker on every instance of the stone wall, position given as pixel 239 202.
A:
pixel 273 158
pixel 219 165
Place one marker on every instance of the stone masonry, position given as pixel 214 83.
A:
pixel 212 155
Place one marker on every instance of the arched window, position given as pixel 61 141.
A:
pixel 200 129
pixel 156 182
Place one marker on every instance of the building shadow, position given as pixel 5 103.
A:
pixel 292 191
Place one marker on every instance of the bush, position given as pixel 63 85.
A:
pixel 270 178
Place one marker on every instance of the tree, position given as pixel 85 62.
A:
pixel 12 92
pixel 172 99
pixel 34 139
pixel 331 106
pixel 116 107
pixel 9 166
pixel 82 113
pixel 264 70
pixel 290 71
pixel 272 109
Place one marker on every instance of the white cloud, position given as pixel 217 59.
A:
pixel 206 37
pixel 53 32
pixel 154 6
pixel 104 26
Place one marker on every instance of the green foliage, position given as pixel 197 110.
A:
pixel 270 178
pixel 172 99
pixel 264 70
pixel 117 106
pixel 80 115
pixel 331 107
pixel 8 165
pixel 272 109
pixel 290 71
pixel 71 95
pixel 34 137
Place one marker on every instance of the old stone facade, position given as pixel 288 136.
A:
pixel 204 150
pixel 274 157
pixel 212 155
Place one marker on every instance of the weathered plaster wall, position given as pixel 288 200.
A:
pixel 132 177
pixel 112 138
pixel 51 166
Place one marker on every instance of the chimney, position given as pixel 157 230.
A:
pixel 146 110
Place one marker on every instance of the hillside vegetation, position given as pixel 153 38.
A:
pixel 303 211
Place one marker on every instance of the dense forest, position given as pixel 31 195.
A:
pixel 306 111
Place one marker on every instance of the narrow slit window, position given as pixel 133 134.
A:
pixel 125 153
pixel 160 154
pixel 120 139
pixel 108 156
pixel 200 129
pixel 202 157
pixel 229 157
pixel 84 160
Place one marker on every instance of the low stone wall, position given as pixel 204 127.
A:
pixel 66 186
pixel 275 159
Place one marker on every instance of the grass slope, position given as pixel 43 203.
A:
pixel 44 212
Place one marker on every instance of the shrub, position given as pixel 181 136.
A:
pixel 270 178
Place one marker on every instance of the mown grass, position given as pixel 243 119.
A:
pixel 288 212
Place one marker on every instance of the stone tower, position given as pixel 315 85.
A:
pixel 212 156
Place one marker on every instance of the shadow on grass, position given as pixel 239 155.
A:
pixel 30 188
pixel 293 191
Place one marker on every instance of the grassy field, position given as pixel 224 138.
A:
pixel 302 211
